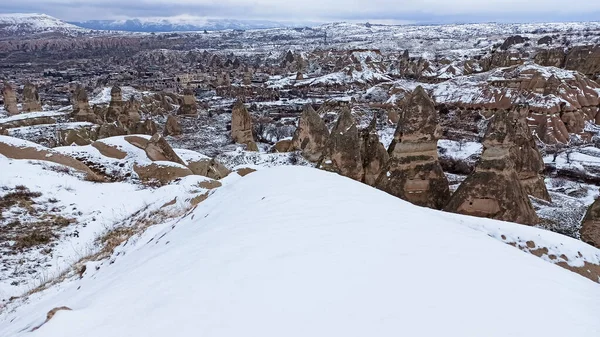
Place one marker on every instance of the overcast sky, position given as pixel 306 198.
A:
pixel 432 11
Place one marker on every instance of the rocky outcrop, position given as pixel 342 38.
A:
pixel 209 168
pixel 342 153
pixel 413 172
pixel 158 149
pixel 494 190
pixel 172 126
pixel 528 161
pixel 188 105
pixel 590 228
pixel 82 111
pixel 284 145
pixel 147 127
pixel 159 173
pixel 585 59
pixel 107 130
pixel 373 153
pixel 10 99
pixel 513 40
pixel 80 136
pixel 241 124
pixel 311 135
pixel 31 98
pixel 554 57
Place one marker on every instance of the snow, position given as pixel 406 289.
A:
pixel 294 251
pixel 34 23
pixel 30 115
pixel 103 97
pixel 95 207
pixel 460 150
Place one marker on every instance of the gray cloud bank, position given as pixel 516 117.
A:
pixel 421 11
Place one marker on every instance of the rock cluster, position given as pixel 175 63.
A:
pixel 31 98
pixel 413 172
pixel 10 99
pixel 494 189
pixel 311 135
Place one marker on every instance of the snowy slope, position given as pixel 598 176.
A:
pixel 30 23
pixel 294 251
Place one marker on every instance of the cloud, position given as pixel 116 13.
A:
pixel 319 10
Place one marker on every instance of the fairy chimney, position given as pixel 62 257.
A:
pixel 342 154
pixel 494 190
pixel 188 106
pixel 31 98
pixel 413 172
pixel 311 135
pixel 374 154
pixel 10 99
pixel 241 124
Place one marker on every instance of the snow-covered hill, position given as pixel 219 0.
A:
pixel 33 23
pixel 294 251
pixel 179 24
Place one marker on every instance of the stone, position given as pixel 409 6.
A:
pixel 494 189
pixel 115 107
pixel 252 146
pixel 10 99
pixel 172 126
pixel 513 40
pixel 590 228
pixel 31 98
pixel 158 149
pixel 342 154
pixel 188 106
pixel 413 172
pixel 158 173
pixel 210 168
pixel 311 135
pixel 373 153
pixel 241 124
pixel 282 146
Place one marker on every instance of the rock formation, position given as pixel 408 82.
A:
pixel 81 107
pixel 158 149
pixel 311 135
pixel 241 125
pixel 31 98
pixel 115 107
pixel 188 105
pixel 590 229
pixel 10 99
pixel 209 168
pixel 527 158
pixel 172 126
pixel 342 153
pixel 494 190
pixel 413 172
pixel 374 154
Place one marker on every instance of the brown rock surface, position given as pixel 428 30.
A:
pixel 160 173
pixel 81 106
pixel 494 190
pixel 31 98
pixel 241 124
pixel 172 126
pixel 209 168
pixel 413 172
pixel 311 135
pixel 590 228
pixel 159 150
pixel 188 106
pixel 342 154
pixel 10 99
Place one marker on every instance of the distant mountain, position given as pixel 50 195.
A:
pixel 34 23
pixel 180 24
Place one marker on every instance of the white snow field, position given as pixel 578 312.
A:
pixel 294 251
